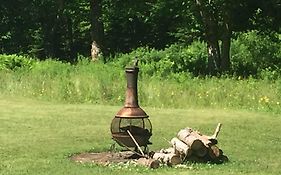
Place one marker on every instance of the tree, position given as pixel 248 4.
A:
pixel 16 22
pixel 56 29
pixel 97 29
pixel 220 18
pixel 64 29
pixel 132 24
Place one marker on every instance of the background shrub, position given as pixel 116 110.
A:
pixel 252 53
pixel 12 62
pixel 174 59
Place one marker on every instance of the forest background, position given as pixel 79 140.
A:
pixel 205 37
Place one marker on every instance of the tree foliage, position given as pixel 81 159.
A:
pixel 64 29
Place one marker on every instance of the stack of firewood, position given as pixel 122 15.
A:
pixel 191 145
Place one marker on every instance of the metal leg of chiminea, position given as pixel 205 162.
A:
pixel 146 149
pixel 112 147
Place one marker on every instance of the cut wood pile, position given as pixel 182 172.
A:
pixel 188 145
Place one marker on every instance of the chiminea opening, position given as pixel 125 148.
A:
pixel 131 122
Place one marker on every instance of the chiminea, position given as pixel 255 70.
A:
pixel 131 122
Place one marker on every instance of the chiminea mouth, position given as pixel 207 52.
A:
pixel 140 128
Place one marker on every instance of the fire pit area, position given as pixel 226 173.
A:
pixel 131 129
pixel 188 146
pixel 105 158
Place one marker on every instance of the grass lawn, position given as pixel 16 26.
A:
pixel 37 137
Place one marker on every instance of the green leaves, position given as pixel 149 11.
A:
pixel 14 62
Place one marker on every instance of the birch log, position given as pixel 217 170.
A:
pixel 196 142
pixel 181 147
pixel 191 138
pixel 168 159
pixel 151 163
pixel 214 152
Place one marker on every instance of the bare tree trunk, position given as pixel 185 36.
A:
pixel 225 48
pixel 72 49
pixel 213 56
pixel 97 29
pixel 95 51
pixel 57 34
pixel 225 58
pixel 212 36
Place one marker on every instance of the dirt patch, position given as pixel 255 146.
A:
pixel 105 158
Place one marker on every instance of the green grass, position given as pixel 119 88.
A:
pixel 36 137
pixel 98 83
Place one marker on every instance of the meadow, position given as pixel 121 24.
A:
pixel 51 110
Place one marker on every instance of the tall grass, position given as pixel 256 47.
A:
pixel 100 83
pixel 214 92
pixel 53 80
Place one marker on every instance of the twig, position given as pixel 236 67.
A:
pixel 216 133
pixel 135 142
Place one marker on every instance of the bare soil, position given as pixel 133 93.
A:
pixel 105 158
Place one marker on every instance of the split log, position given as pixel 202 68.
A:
pixel 151 163
pixel 181 147
pixel 214 152
pixel 168 159
pixel 216 133
pixel 213 138
pixel 201 152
